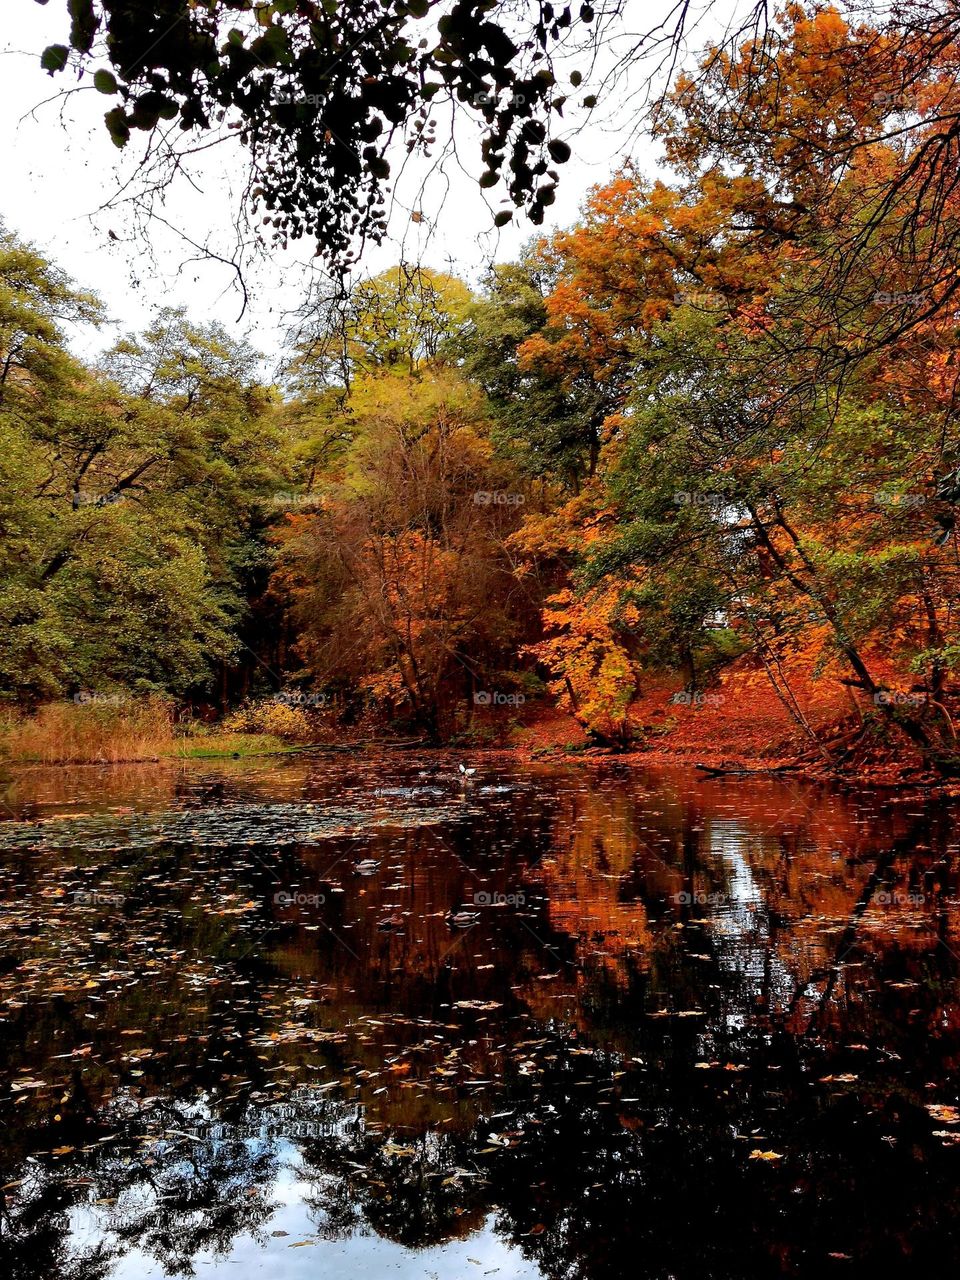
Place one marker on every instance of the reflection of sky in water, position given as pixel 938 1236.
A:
pixel 356 1255
pixel 741 923
pixel 349 1259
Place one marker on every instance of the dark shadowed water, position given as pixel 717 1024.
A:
pixel 360 1017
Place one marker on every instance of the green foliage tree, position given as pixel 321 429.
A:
pixel 548 419
pixel 131 505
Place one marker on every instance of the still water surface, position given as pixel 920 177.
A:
pixel 362 1017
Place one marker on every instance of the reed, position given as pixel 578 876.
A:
pixel 95 732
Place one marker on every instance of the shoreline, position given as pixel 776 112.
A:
pixel 709 764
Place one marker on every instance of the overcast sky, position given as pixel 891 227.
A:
pixel 59 168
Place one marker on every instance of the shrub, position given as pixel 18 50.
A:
pixel 278 719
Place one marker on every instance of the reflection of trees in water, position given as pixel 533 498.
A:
pixel 171 1199
pixel 612 1152
pixel 416 1198
pixel 35 1239
pixel 190 1196
pixel 770 883
pixel 581 1179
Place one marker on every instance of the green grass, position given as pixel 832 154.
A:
pixel 214 746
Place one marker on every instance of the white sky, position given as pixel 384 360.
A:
pixel 59 166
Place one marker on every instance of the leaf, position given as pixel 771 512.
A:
pixel 118 125
pixel 105 81
pixel 392 1149
pixel 947 1115
pixel 54 57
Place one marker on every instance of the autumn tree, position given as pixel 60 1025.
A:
pixel 402 581
pixel 850 129
pixel 399 319
pixel 738 403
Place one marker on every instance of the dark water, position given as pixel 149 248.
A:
pixel 683 1029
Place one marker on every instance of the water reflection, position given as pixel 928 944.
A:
pixel 360 1016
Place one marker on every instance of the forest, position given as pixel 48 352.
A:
pixel 480 640
pixel 691 457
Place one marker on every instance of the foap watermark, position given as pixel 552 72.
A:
pixel 86 498
pixel 487 898
pixel 494 698
pixel 221 1131
pixel 685 498
pixel 699 898
pixel 85 698
pixel 286 500
pixel 902 501
pixel 707 299
pixel 498 498
pixel 484 99
pixel 687 699
pixel 285 98
pixel 896 698
pixel 297 698
pixel 885 299
pixel 97 898
pixel 898 898
pixel 298 898
pixel 895 101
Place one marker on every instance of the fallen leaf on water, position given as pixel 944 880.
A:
pixel 947 1115
pixel 391 1149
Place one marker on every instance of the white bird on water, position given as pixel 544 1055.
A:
pixel 465 772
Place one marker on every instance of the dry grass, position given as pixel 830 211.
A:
pixel 90 733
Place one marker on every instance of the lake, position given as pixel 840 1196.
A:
pixel 363 1015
